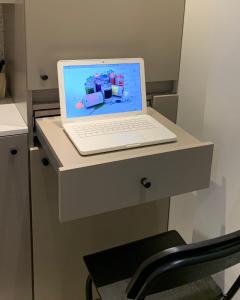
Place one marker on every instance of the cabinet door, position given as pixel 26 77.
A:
pixel 103 29
pixel 59 271
pixel 15 255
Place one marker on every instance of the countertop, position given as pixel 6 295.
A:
pixel 11 122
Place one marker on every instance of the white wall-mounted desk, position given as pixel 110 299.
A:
pixel 99 183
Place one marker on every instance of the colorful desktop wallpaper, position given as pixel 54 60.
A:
pixel 102 89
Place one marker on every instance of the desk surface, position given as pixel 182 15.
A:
pixel 67 156
pixel 11 122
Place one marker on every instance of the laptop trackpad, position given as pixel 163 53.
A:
pixel 128 138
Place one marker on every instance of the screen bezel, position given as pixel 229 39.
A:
pixel 60 67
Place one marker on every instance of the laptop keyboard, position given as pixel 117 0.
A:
pixel 113 127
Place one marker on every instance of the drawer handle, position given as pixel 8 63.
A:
pixel 44 77
pixel 14 151
pixel 146 183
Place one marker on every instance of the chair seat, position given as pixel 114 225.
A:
pixel 121 262
pixel 205 289
pixel 112 269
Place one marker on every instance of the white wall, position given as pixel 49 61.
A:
pixel 210 109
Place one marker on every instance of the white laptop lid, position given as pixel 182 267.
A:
pixel 101 88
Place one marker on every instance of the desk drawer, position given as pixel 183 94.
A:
pixel 101 188
pixel 100 183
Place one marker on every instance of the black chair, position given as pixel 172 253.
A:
pixel 163 267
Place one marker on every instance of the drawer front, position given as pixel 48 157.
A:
pixel 101 188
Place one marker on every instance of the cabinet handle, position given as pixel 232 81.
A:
pixel 45 162
pixel 44 77
pixel 14 151
pixel 146 183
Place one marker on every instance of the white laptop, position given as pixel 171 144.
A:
pixel 103 105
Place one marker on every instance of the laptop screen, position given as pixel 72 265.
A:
pixel 92 90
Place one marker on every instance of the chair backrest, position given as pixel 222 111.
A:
pixel 184 264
